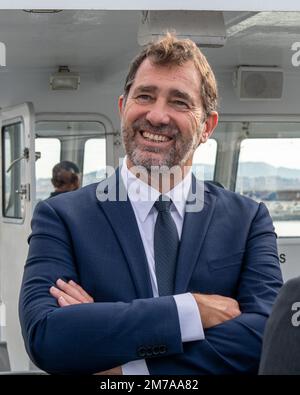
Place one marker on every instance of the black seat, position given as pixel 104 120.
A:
pixel 4 359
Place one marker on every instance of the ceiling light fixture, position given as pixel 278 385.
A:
pixel 64 79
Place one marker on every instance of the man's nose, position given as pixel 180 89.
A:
pixel 158 114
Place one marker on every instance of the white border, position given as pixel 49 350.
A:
pixel 221 5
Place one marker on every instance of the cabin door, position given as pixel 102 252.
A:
pixel 17 184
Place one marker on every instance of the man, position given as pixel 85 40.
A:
pixel 65 177
pixel 179 276
pixel 280 353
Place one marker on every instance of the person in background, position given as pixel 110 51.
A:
pixel 65 177
pixel 280 352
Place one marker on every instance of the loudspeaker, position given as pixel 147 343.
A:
pixel 258 83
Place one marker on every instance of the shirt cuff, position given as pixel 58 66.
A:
pixel 189 318
pixel 138 367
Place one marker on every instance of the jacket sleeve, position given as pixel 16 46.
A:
pixel 280 353
pixel 235 346
pixel 88 338
pixel 84 338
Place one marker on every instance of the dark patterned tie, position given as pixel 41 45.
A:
pixel 166 243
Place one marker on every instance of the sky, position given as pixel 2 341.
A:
pixel 278 152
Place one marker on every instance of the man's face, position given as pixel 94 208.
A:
pixel 162 120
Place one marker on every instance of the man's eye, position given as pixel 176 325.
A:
pixel 143 98
pixel 180 104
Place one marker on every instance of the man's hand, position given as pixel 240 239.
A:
pixel 71 293
pixel 216 309
pixel 111 372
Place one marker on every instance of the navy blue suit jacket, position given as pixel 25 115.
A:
pixel 228 248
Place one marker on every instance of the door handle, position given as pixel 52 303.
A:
pixel 24 156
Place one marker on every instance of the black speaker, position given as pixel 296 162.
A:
pixel 258 83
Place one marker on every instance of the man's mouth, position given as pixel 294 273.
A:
pixel 156 138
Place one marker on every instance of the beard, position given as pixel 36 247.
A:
pixel 139 155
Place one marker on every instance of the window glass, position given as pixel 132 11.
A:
pixel 205 159
pixel 13 168
pixel 50 156
pixel 94 161
pixel 269 171
pixel 80 142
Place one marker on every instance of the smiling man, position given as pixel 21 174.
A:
pixel 163 121
pixel 165 110
pixel 144 285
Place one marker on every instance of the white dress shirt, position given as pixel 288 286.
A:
pixel 142 198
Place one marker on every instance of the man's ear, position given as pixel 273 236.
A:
pixel 209 126
pixel 120 104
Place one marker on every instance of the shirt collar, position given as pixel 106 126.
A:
pixel 142 196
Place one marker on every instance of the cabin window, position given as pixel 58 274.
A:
pixel 81 142
pixel 94 162
pixel 269 172
pixel 12 170
pixel 49 149
pixel 205 159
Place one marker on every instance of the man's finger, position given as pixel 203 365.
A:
pixel 82 291
pixel 71 291
pixel 114 371
pixel 62 302
pixel 57 293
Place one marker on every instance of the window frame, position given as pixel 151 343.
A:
pixel 85 141
pixel 5 124
pixel 216 157
pixel 60 150
pixel 259 118
pixel 110 134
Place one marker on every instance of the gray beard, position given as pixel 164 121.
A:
pixel 138 158
pixel 172 158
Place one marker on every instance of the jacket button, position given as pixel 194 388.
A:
pixel 156 350
pixel 149 351
pixel 162 349
pixel 142 351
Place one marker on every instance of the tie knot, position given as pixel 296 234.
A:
pixel 163 204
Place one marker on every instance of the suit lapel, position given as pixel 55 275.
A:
pixel 195 227
pixel 119 212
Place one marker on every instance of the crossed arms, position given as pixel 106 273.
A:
pixel 214 309
pixel 94 337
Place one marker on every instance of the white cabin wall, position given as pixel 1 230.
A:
pixel 288 104
pixel 100 97
pixel 92 96
pixel 99 93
